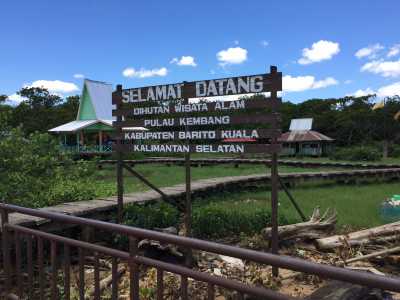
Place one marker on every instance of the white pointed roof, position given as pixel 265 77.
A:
pixel 100 94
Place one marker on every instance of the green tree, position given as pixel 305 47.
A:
pixel 36 174
pixel 41 110
pixel 37 111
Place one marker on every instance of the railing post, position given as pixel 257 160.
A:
pixel 18 263
pixel 133 269
pixel 274 187
pixel 117 96
pixel 5 250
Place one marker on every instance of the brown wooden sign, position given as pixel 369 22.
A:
pixel 185 108
pixel 203 148
pixel 168 115
pixel 224 134
pixel 201 121
pixel 219 120
pixel 205 88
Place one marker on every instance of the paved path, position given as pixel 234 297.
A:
pixel 103 207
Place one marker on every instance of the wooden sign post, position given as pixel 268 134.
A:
pixel 176 125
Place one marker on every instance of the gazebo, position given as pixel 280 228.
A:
pixel 301 140
pixel 91 132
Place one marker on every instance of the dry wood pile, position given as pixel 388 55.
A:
pixel 317 227
pixel 374 250
pixel 377 235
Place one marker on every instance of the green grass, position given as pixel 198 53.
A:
pixel 357 205
pixel 162 175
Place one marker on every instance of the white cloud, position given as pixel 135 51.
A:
pixel 384 68
pixel 348 81
pixel 384 91
pixel 303 83
pixel 394 50
pixel 264 43
pixel 184 61
pixel 55 86
pixel 236 42
pixel 232 56
pixel 15 98
pixel 79 76
pixel 143 73
pixel 389 90
pixel 361 92
pixel 319 51
pixel 371 51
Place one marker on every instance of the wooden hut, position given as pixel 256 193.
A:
pixel 91 132
pixel 302 140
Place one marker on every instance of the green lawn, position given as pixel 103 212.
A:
pixel 162 175
pixel 357 205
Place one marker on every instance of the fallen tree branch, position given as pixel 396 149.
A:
pixel 380 234
pixel 374 254
pixel 315 228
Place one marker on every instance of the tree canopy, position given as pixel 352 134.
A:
pixel 348 120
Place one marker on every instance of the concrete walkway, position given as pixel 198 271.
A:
pixel 103 208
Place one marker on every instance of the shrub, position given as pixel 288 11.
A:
pixel 36 174
pixel 394 151
pixel 227 218
pixel 359 153
pixel 158 215
pixel 213 220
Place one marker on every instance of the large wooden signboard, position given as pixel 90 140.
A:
pixel 211 127
pixel 206 88
pixel 176 124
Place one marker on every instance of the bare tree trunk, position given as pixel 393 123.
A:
pixel 385 149
pixel 388 232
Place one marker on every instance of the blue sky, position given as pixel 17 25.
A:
pixel 314 43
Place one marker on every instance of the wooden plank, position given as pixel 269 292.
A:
pixel 206 88
pixel 220 120
pixel 198 107
pixel 247 134
pixel 205 148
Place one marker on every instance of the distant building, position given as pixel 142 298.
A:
pixel 301 140
pixel 91 132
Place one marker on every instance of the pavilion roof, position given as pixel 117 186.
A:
pixel 79 125
pixel 303 136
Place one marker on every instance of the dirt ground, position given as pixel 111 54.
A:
pixel 289 282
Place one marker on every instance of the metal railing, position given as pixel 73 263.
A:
pixel 14 280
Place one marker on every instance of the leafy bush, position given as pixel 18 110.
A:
pixel 363 153
pixel 394 151
pixel 36 174
pixel 158 215
pixel 212 220
pixel 227 218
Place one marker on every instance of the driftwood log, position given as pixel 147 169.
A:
pixel 385 233
pixel 317 227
